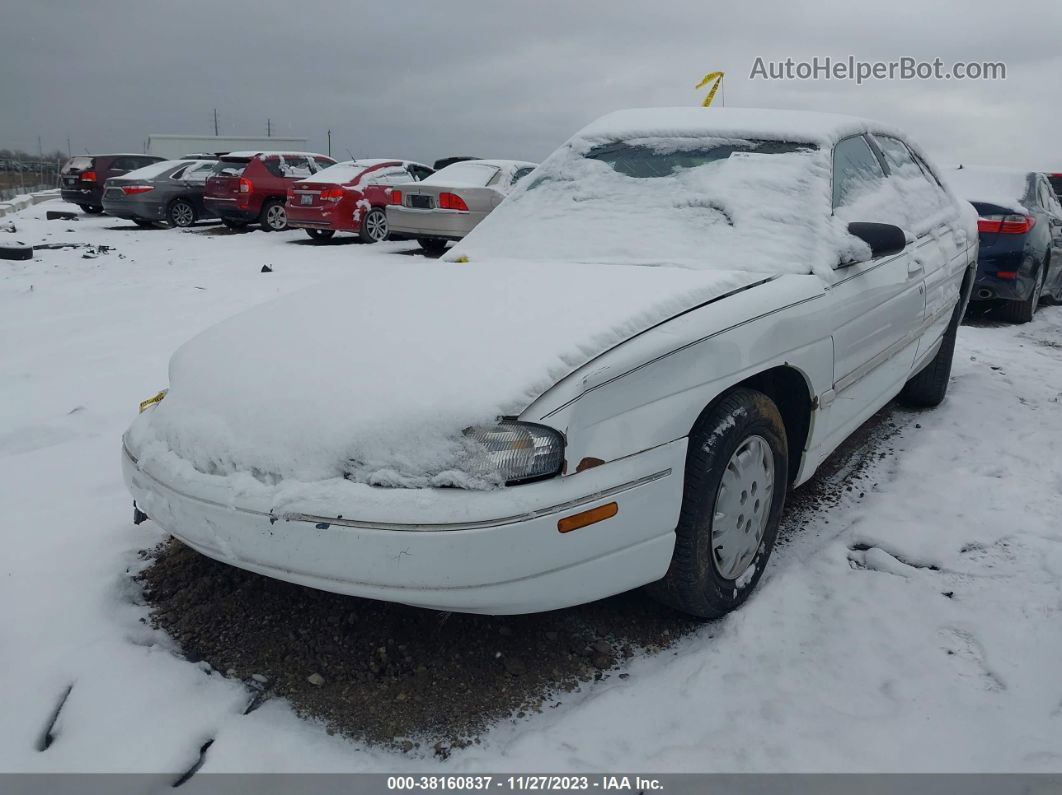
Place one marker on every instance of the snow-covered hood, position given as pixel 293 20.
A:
pixel 375 377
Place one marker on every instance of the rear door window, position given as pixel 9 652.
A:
pixel 856 171
pixel 197 172
pixel 230 168
pixel 420 172
pixel 321 163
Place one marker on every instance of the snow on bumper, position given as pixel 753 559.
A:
pixel 489 561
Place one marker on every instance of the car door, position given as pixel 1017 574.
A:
pixel 940 248
pixel 194 177
pixel 878 305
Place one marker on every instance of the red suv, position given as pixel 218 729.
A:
pixel 249 187
pixel 350 197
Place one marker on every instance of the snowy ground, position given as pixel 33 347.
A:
pixel 916 627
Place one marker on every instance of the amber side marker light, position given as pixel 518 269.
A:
pixel 598 514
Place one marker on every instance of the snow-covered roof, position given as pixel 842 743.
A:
pixel 153 170
pixel 1004 187
pixel 799 126
pixel 267 152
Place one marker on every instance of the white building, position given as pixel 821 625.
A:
pixel 174 146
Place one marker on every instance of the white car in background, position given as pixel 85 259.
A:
pixel 450 203
pixel 613 382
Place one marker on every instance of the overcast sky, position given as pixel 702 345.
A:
pixel 422 80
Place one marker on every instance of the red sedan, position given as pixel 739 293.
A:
pixel 349 197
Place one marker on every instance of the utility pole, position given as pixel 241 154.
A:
pixel 215 122
pixel 269 129
pixel 329 143
pixel 68 155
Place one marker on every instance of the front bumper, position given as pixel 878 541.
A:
pixel 476 552
pixel 444 224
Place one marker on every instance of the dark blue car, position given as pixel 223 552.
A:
pixel 1020 230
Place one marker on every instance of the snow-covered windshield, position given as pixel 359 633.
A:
pixel 698 202
pixel 470 174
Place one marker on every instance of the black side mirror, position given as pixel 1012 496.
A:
pixel 883 239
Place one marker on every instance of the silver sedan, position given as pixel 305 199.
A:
pixel 447 205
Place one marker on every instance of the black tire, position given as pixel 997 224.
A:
pixel 16 252
pixel 928 388
pixel 181 213
pixel 92 209
pixel 374 227
pixel 234 224
pixel 144 222
pixel 432 245
pixel 1023 311
pixel 274 217
pixel 321 234
pixel 695 582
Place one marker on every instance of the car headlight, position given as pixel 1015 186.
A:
pixel 516 452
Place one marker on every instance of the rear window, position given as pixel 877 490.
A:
pixel 79 163
pixel 230 168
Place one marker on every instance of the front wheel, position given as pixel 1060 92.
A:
pixel 737 469
pixel 274 217
pixel 181 214
pixel 321 234
pixel 374 227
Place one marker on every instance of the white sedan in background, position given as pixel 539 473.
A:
pixel 450 203
pixel 613 382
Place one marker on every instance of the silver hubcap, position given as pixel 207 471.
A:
pixel 276 217
pixel 376 226
pixel 742 507
pixel 182 215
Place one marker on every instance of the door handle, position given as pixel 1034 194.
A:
pixel 914 267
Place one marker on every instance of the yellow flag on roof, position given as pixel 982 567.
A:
pixel 716 78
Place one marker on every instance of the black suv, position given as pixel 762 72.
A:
pixel 82 177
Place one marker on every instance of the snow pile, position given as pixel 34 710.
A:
pixel 1003 187
pixel 374 377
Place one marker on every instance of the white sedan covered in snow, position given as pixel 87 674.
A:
pixel 613 382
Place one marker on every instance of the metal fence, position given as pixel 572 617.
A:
pixel 26 176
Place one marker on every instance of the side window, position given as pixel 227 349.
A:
pixel 124 164
pixel 272 165
pixel 196 173
pixel 521 173
pixel 856 170
pixel 390 176
pixel 295 166
pixel 420 172
pixel 321 163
